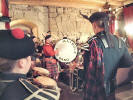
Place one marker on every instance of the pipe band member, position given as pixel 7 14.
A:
pixel 49 53
pixel 106 54
pixel 15 62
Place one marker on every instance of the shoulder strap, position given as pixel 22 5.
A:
pixel 102 38
pixel 104 41
pixel 29 86
pixel 119 41
pixel 40 93
pixel 106 44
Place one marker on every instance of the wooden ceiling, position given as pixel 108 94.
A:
pixel 92 4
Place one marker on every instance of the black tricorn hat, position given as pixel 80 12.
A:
pixel 96 16
pixel 14 44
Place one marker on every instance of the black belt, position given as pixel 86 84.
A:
pixel 49 57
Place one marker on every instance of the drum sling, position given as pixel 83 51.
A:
pixel 40 93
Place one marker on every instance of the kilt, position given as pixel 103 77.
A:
pixel 51 66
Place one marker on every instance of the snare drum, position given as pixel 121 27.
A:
pixel 67 50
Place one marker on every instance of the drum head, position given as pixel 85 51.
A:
pixel 45 81
pixel 41 71
pixel 67 50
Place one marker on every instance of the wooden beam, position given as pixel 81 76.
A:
pixel 92 4
pixel 60 3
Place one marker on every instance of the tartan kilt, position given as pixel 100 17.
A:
pixel 51 66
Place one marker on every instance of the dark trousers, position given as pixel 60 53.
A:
pixel 111 96
pixel 67 94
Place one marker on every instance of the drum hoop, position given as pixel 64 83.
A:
pixel 74 47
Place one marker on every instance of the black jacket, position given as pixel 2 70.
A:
pixel 11 88
pixel 114 57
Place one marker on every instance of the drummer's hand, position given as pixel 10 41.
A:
pixel 39 54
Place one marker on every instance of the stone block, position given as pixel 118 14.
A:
pixel 60 10
pixel 52 15
pixel 52 9
pixel 52 21
pixel 53 28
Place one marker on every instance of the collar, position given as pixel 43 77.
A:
pixel 103 38
pixel 11 76
pixel 48 44
pixel 100 33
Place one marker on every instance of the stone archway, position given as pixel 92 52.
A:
pixel 22 22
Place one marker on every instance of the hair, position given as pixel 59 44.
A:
pixel 64 37
pixel 6 65
pixel 77 39
pixel 47 37
pixel 49 32
pixel 100 23
pixel 103 22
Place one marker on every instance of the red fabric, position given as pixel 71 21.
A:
pixel 5 11
pixel 50 59
pixel 128 18
pixel 52 68
pixel 128 15
pixel 94 85
pixel 48 50
pixel 51 64
pixel 18 33
pixel 112 25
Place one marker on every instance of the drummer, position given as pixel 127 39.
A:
pixel 49 53
pixel 14 65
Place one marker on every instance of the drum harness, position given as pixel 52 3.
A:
pixel 40 93
pixel 36 92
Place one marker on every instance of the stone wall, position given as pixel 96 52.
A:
pixel 62 22
pixel 36 14
pixel 67 22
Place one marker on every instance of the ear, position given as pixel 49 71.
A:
pixel 21 63
pixel 94 24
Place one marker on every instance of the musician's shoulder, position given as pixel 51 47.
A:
pixel 39 93
pixel 15 91
pixel 92 39
pixel 28 85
